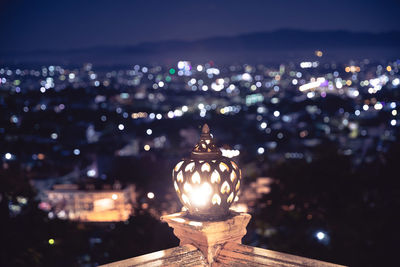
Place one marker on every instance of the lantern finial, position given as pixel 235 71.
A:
pixel 206 147
pixel 205 129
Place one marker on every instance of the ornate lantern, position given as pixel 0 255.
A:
pixel 207 183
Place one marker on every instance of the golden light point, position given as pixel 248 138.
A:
pixel 146 147
pixel 318 53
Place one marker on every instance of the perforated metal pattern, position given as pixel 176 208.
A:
pixel 207 187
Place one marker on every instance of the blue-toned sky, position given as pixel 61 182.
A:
pixel 31 25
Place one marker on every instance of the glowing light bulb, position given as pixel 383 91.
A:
pixel 200 195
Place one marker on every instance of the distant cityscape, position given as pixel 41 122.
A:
pixel 97 144
pixel 59 113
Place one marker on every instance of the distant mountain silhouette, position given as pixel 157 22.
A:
pixel 268 43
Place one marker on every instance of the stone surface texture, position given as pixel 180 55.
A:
pixel 208 236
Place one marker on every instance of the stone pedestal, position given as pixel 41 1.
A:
pixel 208 236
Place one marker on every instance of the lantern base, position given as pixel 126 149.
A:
pixel 208 236
pixel 208 217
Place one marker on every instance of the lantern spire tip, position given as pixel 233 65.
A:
pixel 205 129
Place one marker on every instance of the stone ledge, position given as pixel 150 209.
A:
pixel 208 236
pixel 178 256
pixel 230 255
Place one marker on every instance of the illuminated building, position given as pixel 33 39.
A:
pixel 106 205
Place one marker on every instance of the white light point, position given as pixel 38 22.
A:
pixel 263 125
pixel 320 235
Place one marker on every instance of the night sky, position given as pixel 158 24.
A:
pixel 27 25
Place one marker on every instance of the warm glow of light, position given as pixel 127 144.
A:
pixel 225 188
pixel 180 220
pixel 200 195
pixel 206 167
pixel 178 166
pixel 230 198
pixel 179 178
pixel 187 187
pixel 176 187
pixel 216 199
pixel 103 204
pixel 223 167
pixel 234 165
pixel 190 167
pixel 150 195
pixel 215 178
pixel 196 178
pixel 51 241
pixel 240 207
pixel 194 223
pixel 114 196
pixel 233 176
pixel 147 147
pixel 185 199
pixel 237 186
pixel 352 69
